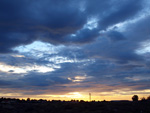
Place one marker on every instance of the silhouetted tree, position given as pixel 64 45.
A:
pixel 143 99
pixel 28 99
pixel 148 98
pixel 82 101
pixel 135 98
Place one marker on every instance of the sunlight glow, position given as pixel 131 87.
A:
pixel 108 96
pixel 19 56
pixel 79 78
pixel 24 69
pixel 91 23
pixel 73 95
pixel 12 69
pixel 145 48
pixel 137 78
pixel 38 47
pixel 68 96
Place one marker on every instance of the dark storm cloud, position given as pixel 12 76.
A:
pixel 115 36
pixel 4 83
pixel 120 14
pixel 121 46
pixel 112 56
pixel 102 72
pixel 40 80
pixel 83 36
pixel 11 60
pixel 120 51
pixel 33 79
pixel 23 22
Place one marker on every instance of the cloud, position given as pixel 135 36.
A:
pixel 121 13
pixel 23 22
pixel 34 81
pixel 115 36
pixel 88 45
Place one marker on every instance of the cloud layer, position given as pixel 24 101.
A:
pixel 74 46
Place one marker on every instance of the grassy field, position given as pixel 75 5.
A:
pixel 74 107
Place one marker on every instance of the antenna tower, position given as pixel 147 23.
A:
pixel 90 97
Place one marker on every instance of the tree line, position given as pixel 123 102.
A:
pixel 136 98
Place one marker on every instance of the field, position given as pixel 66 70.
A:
pixel 17 106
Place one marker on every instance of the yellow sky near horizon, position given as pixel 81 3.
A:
pixel 108 96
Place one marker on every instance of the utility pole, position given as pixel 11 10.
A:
pixel 90 97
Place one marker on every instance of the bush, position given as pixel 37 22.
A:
pixel 135 98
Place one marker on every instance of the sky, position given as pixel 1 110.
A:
pixel 66 49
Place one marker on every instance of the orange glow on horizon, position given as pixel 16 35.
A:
pixel 75 96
